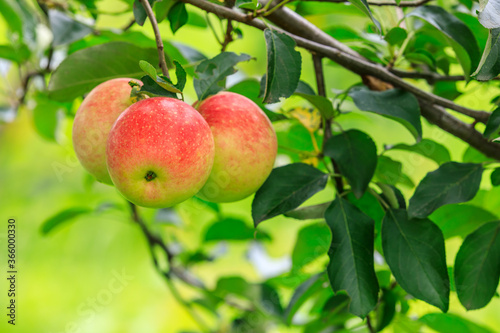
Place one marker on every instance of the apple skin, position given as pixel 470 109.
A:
pixel 167 137
pixel 93 121
pixel 245 147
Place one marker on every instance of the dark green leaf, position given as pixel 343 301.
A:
pixel 489 66
pixel 232 229
pixel 161 80
pixel 451 183
pixel 390 172
pixel 458 34
pixel 270 300
pixel 177 15
pixel 396 36
pixel 312 242
pixel 493 123
pixel 62 217
pixel 161 9
pixel 428 148
pixel 139 12
pixel 403 108
pixel 302 88
pixel 460 219
pixel 250 88
pixel 477 266
pixel 151 88
pixel 363 6
pixel 302 294
pixel 446 323
pixel 387 309
pixel 283 66
pixel 85 69
pixel 286 188
pixel 414 250
pixel 180 73
pixel 446 89
pixel 354 148
pixel 65 29
pixel 309 212
pixel 351 266
pixel 323 104
pixel 495 177
pixel 212 71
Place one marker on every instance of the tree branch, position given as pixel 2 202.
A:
pixel 159 42
pixel 415 3
pixel 320 83
pixel 363 67
pixel 429 76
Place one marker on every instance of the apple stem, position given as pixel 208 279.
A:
pixel 159 42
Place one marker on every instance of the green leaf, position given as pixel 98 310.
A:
pixel 309 212
pixel 180 73
pixel 477 266
pixel 46 117
pixel 139 12
pixel 323 104
pixel 495 177
pixel 178 16
pixel 489 66
pixel 428 148
pixel 283 66
pixel 212 71
pixel 303 292
pixel 65 29
pixel 493 124
pixel 390 172
pixel 396 36
pixel 250 88
pixel 232 229
pixel 11 12
pixel 302 88
pixel 351 266
pixel 285 189
pixel 354 148
pixel 446 323
pixel 387 309
pixel 457 33
pixel 403 108
pixel 151 88
pixel 83 70
pixel 414 250
pixel 312 242
pixel 460 219
pixel 63 216
pixel 162 81
pixel 19 55
pixel 363 6
pixel 161 9
pixel 451 183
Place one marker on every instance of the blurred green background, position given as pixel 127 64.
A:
pixel 95 274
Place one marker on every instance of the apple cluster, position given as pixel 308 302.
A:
pixel 161 151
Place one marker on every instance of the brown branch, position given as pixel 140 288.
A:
pixel 320 83
pixel 364 67
pixel 228 37
pixel 429 76
pixel 415 3
pixel 159 42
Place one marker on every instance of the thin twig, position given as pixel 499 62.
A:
pixel 154 240
pixel 159 42
pixel 320 83
pixel 228 37
pixel 369 324
pixel 129 25
pixel 429 76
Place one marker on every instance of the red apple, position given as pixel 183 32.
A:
pixel 160 152
pixel 245 147
pixel 94 120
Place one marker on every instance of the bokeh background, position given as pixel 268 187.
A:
pixel 94 274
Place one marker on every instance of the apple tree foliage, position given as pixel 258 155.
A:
pixel 380 238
